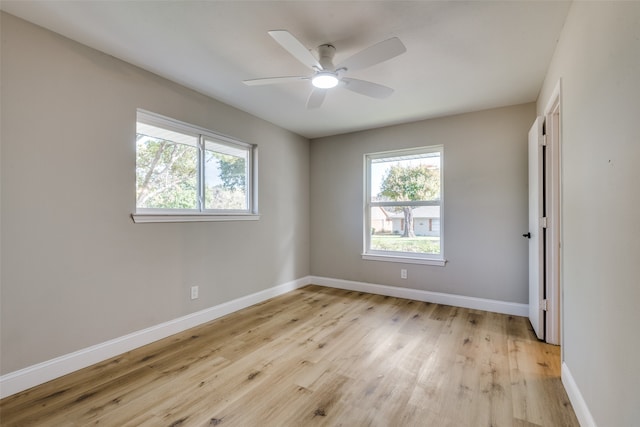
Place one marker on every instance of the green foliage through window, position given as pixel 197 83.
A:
pixel 181 169
pixel 404 202
pixel 167 174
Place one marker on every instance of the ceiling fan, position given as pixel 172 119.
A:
pixel 325 75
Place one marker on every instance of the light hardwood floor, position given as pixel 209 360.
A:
pixel 319 356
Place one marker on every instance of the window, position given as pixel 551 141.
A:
pixel 185 173
pixel 403 206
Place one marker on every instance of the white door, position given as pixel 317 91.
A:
pixel 536 236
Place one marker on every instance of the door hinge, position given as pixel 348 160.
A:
pixel 543 305
pixel 543 140
pixel 543 222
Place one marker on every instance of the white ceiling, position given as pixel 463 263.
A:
pixel 461 56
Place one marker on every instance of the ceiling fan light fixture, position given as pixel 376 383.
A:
pixel 325 80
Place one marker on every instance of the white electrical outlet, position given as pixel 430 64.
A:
pixel 194 292
pixel 403 273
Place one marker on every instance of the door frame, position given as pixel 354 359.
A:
pixel 553 200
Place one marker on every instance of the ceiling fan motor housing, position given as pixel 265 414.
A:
pixel 325 56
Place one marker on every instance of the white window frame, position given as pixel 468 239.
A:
pixel 143 215
pixel 397 256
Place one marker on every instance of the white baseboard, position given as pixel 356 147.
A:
pixel 577 401
pixel 495 306
pixel 40 373
pixel 17 381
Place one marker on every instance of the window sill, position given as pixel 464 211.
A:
pixel 196 217
pixel 405 259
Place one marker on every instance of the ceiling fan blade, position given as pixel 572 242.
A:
pixel 316 98
pixel 274 80
pixel 363 87
pixel 295 48
pixel 375 54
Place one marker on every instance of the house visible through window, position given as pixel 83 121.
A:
pixel 403 206
pixel 183 169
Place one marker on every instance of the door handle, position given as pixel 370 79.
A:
pixel 527 235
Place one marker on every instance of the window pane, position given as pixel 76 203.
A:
pixel 404 203
pixel 166 169
pixel 406 178
pixel 389 230
pixel 225 176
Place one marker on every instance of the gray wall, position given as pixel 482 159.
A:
pixel 598 59
pixel 76 271
pixel 485 204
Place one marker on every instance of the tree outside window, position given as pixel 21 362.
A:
pixel 180 168
pixel 404 203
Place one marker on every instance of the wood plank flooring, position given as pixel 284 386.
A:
pixel 318 357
